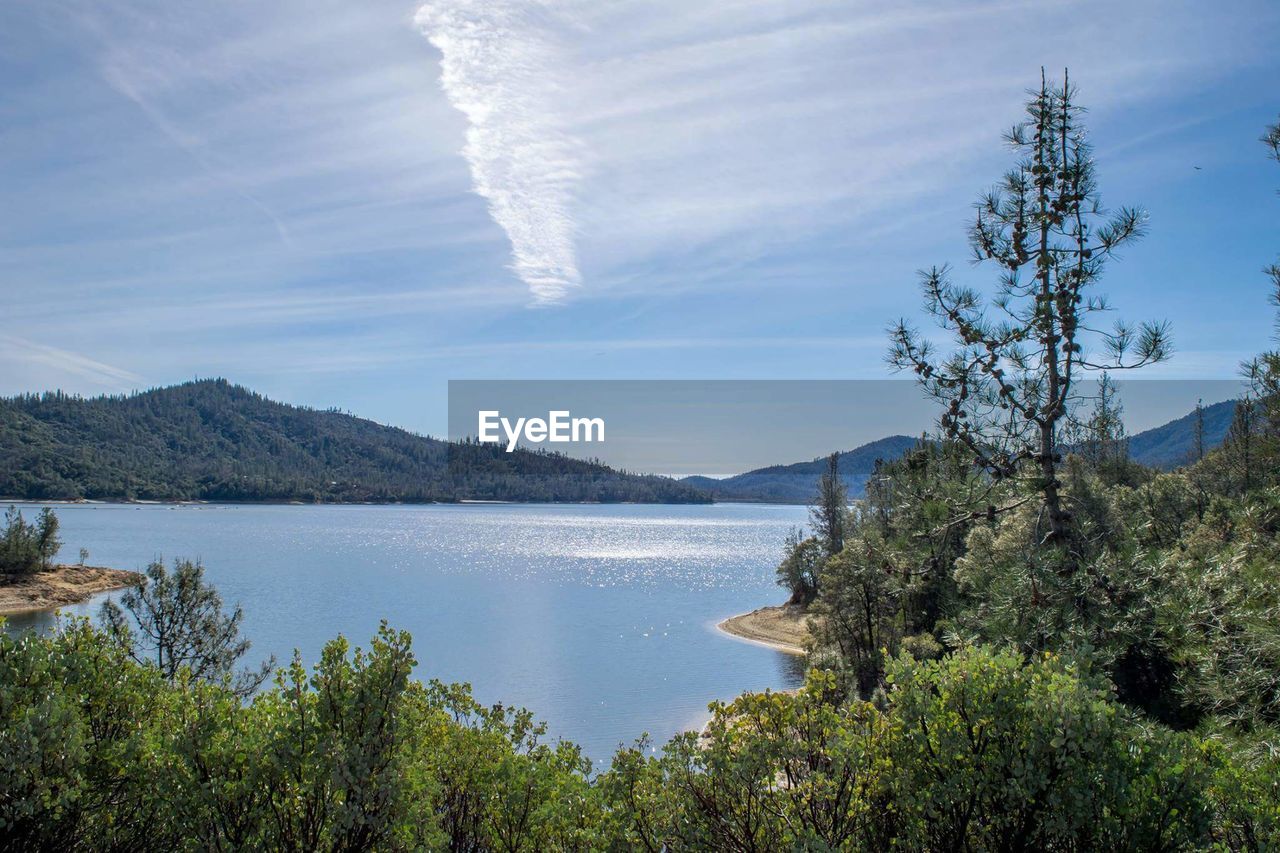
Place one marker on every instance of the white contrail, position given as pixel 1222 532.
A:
pixel 497 69
pixel 66 361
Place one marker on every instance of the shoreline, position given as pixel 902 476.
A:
pixel 59 586
pixel 783 628
pixel 24 502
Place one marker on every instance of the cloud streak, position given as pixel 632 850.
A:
pixel 765 173
pixel 497 68
pixel 65 362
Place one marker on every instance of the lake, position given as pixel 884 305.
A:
pixel 600 619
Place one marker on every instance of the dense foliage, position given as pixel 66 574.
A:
pixel 28 546
pixel 1026 526
pixel 210 440
pixel 981 750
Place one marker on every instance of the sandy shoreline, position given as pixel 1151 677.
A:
pixel 785 628
pixel 58 586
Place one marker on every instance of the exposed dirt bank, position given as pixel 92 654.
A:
pixel 785 628
pixel 58 586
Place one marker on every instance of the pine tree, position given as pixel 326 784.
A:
pixel 829 513
pixel 1240 446
pixel 1010 385
pixel 1104 444
pixel 1198 434
pixel 1263 371
pixel 47 541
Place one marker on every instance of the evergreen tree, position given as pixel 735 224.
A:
pixel 27 547
pixel 829 513
pixel 1240 450
pixel 1009 387
pixel 800 567
pixel 1103 443
pixel 47 541
pixel 1198 433
pixel 181 625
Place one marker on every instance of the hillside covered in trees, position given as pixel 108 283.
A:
pixel 211 440
pixel 1164 447
pixel 794 483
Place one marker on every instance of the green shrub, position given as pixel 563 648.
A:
pixel 27 547
pixel 977 750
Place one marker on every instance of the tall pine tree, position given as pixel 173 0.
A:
pixel 1009 386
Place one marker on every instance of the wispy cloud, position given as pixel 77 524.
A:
pixel 498 69
pixel 723 187
pixel 67 363
pixel 117 76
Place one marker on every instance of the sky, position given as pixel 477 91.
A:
pixel 348 204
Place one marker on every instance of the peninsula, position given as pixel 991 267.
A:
pixel 45 590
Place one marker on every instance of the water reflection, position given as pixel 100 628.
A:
pixel 791 668
pixel 36 620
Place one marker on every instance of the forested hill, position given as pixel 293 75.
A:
pixel 798 482
pixel 1164 447
pixel 1174 444
pixel 211 440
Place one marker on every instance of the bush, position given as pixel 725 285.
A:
pixel 800 567
pixel 98 751
pixel 978 750
pixel 1220 611
pixel 26 547
pixel 1011 756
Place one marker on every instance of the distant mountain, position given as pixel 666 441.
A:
pixel 211 440
pixel 1165 447
pixel 798 482
pixel 1173 444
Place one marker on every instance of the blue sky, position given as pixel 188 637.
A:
pixel 347 204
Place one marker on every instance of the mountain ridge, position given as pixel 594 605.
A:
pixel 1164 447
pixel 797 482
pixel 212 440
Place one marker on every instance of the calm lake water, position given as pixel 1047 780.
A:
pixel 600 619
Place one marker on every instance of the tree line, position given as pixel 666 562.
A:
pixel 26 546
pixel 214 441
